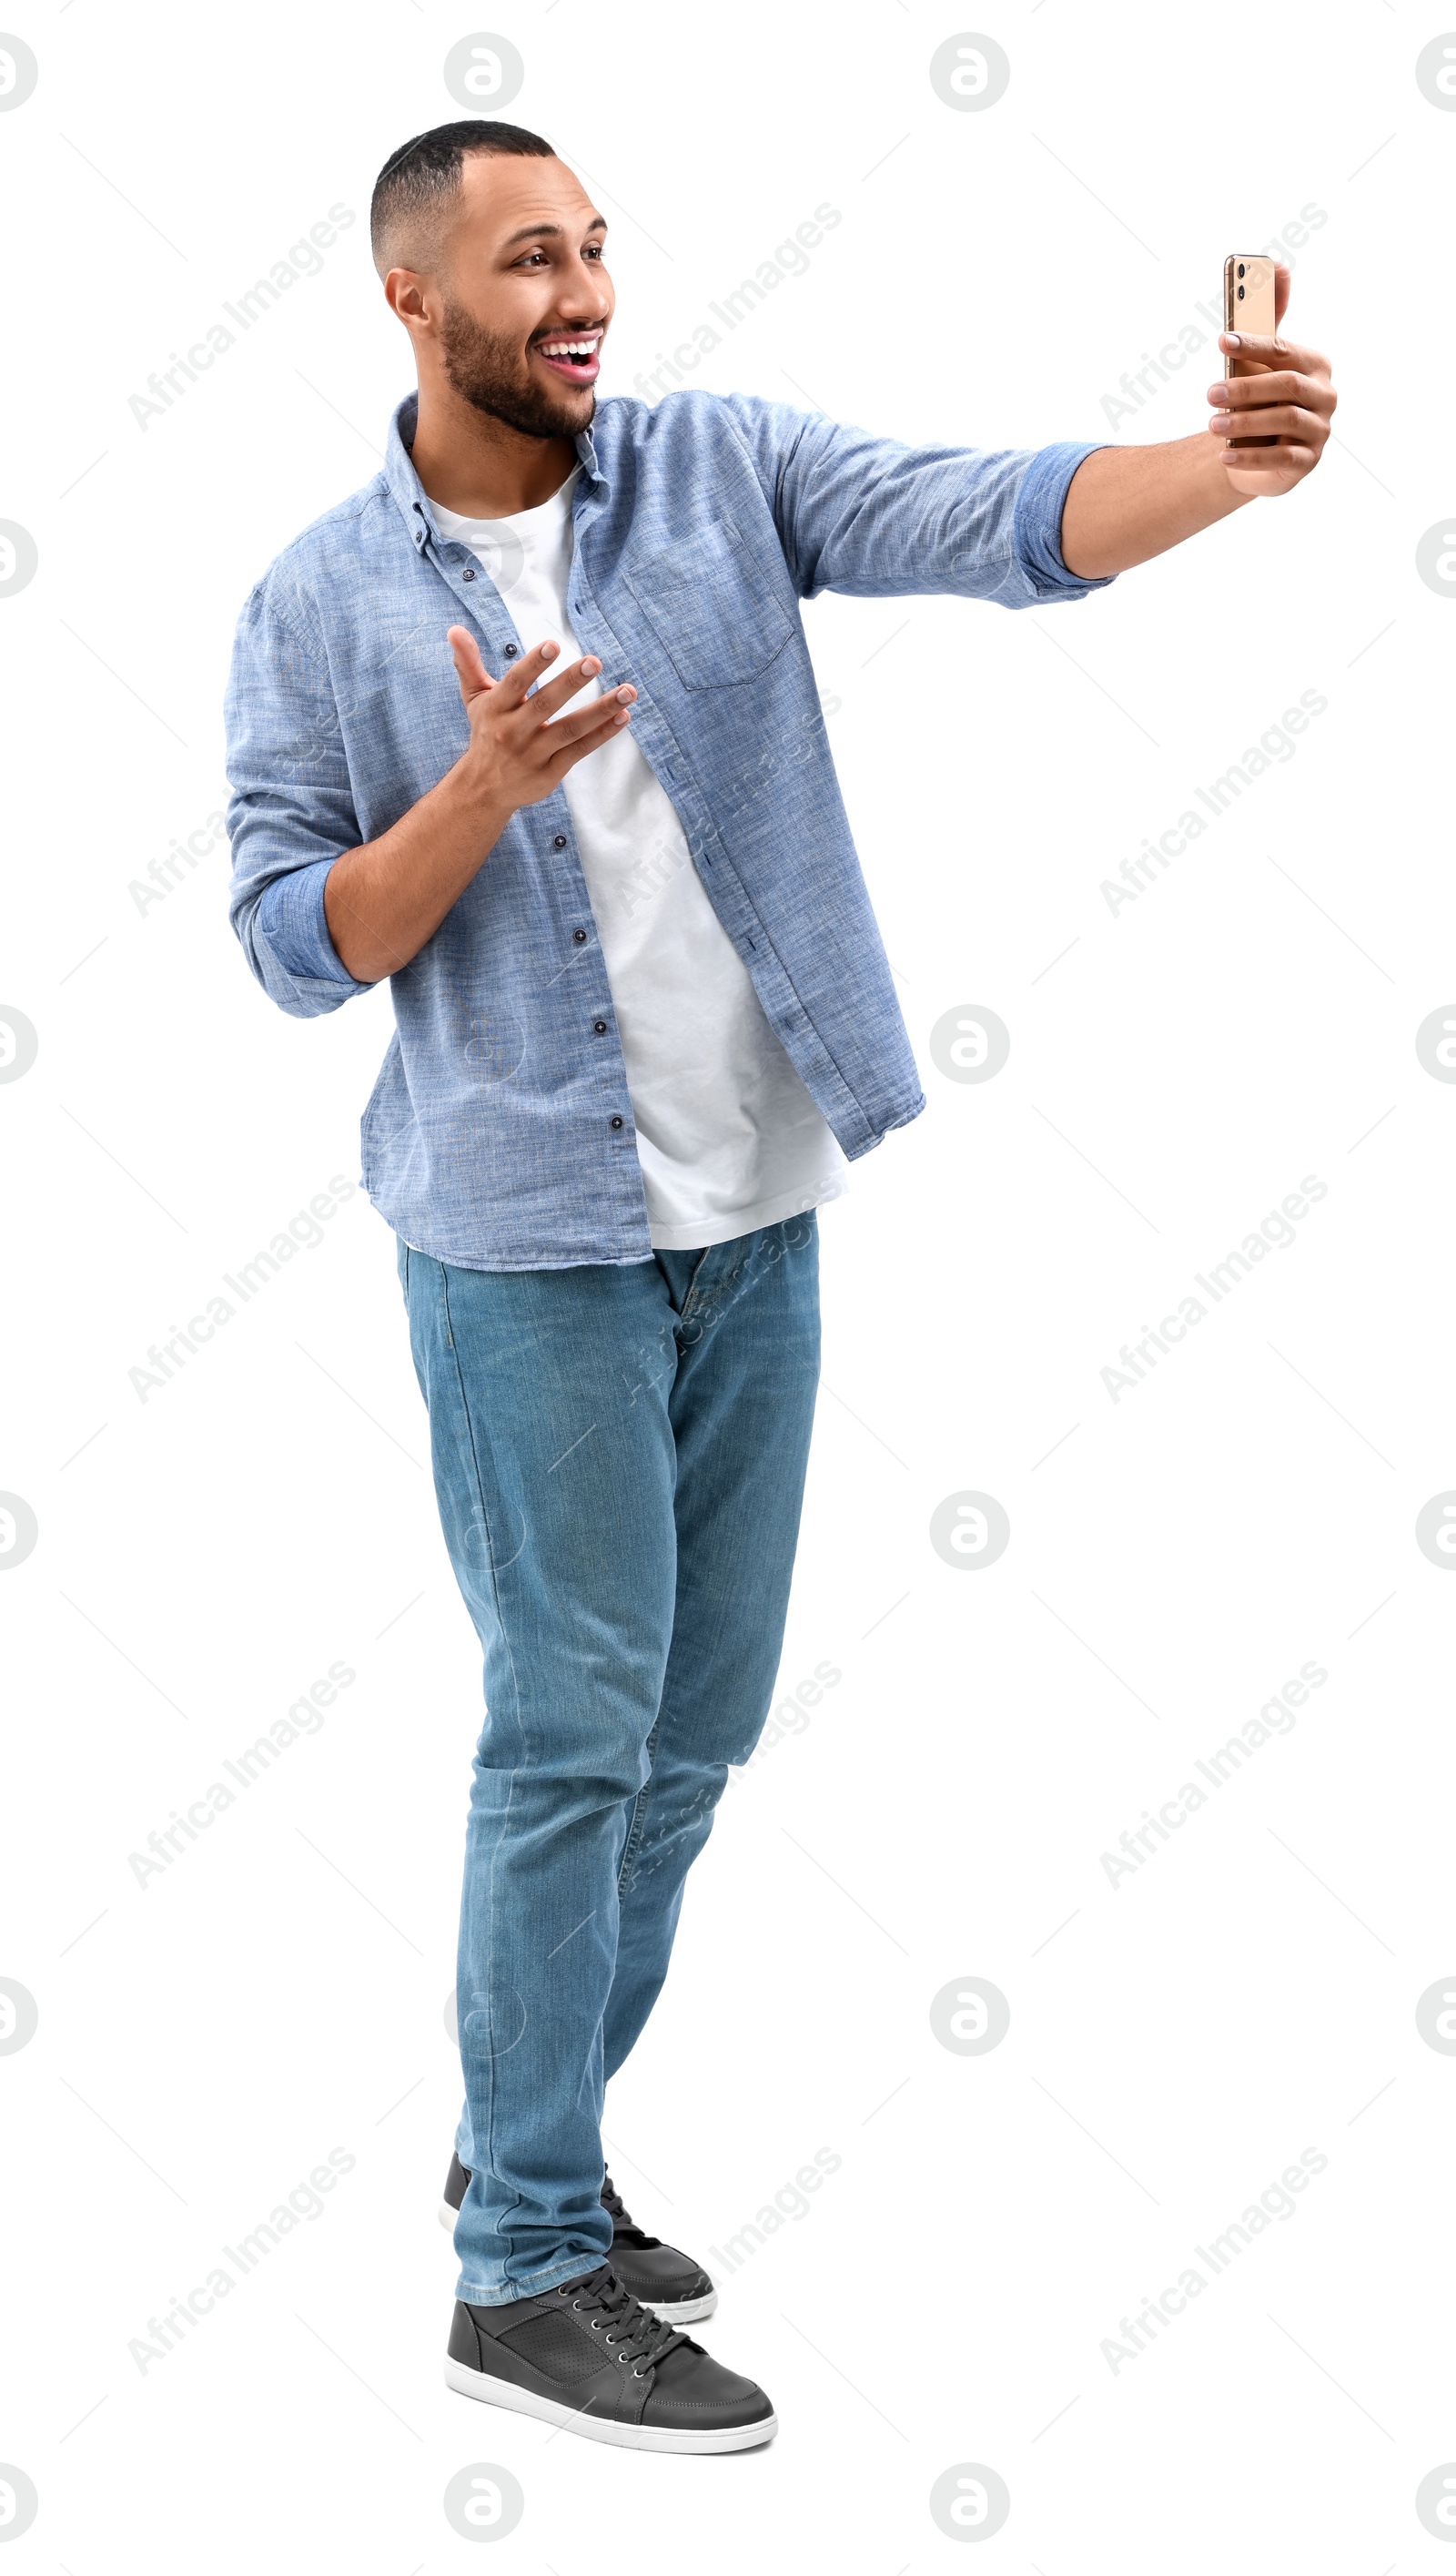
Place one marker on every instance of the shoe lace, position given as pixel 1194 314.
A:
pixel 632 2331
pixel 623 2223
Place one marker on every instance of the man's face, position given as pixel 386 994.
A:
pixel 526 297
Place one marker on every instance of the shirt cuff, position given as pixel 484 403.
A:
pixel 1037 521
pixel 290 921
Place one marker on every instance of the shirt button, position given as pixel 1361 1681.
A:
pixel 558 841
pixel 580 937
pixel 467 576
pixel 599 1028
pixel 616 1122
pixel 511 651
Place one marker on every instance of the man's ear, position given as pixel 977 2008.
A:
pixel 404 292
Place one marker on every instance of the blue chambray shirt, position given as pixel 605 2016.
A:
pixel 499 1134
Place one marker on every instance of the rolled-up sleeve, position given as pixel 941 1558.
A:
pixel 291 811
pixel 1037 521
pixel 882 520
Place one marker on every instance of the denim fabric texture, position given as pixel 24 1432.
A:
pixel 619 1455
pixel 499 1134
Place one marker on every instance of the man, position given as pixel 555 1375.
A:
pixel 643 1021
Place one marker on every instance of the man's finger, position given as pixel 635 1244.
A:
pixel 1271 352
pixel 598 712
pixel 1280 420
pixel 563 685
pixel 1236 393
pixel 523 674
pixel 469 668
pixel 1276 469
pixel 601 723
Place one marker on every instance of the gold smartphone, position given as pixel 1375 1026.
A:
pixel 1248 305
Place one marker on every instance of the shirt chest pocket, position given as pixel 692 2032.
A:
pixel 716 612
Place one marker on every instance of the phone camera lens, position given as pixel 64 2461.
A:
pixel 1241 292
pixel 1241 268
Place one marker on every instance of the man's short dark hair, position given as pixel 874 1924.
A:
pixel 418 184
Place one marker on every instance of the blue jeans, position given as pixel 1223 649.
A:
pixel 619 1456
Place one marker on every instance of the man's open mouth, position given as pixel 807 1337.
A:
pixel 572 356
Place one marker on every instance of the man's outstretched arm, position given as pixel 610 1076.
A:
pixel 875 518
pixel 1126 504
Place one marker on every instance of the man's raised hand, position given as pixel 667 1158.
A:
pixel 1291 406
pixel 517 754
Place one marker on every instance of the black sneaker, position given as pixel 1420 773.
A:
pixel 671 2284
pixel 591 2358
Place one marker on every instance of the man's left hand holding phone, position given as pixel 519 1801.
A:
pixel 1290 402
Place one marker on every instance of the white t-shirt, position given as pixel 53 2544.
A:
pixel 727 1136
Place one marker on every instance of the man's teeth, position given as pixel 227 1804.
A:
pixel 568 348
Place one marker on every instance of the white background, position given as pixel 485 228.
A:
pixel 1176 2040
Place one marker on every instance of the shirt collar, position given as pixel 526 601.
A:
pixel 410 496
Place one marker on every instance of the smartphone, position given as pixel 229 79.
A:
pixel 1248 305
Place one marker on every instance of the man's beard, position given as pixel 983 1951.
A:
pixel 482 366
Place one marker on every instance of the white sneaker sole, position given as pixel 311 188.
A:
pixel 600 2428
pixel 673 2312
pixel 682 2312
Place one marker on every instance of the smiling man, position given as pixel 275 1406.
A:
pixel 643 1024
